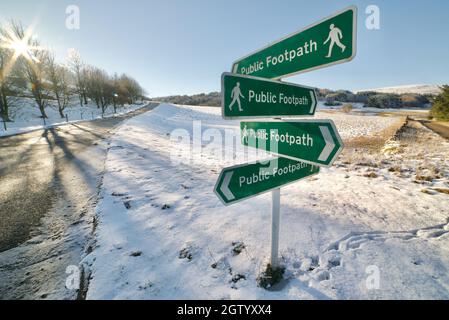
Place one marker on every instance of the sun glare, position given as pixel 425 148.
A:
pixel 21 46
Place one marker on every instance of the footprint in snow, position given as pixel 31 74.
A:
pixel 127 204
pixel 136 254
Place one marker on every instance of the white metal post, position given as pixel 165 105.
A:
pixel 275 216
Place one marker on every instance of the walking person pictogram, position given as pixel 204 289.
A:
pixel 335 35
pixel 236 94
pixel 245 135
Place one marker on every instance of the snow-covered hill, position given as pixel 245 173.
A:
pixel 163 234
pixel 417 88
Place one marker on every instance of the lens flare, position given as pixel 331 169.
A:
pixel 22 44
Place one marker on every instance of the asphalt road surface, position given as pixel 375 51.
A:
pixel 49 182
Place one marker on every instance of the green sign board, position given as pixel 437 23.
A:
pixel 313 141
pixel 248 180
pixel 250 97
pixel 327 42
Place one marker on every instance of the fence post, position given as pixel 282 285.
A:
pixel 66 118
pixel 4 124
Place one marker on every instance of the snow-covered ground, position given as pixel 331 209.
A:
pixel 372 226
pixel 26 116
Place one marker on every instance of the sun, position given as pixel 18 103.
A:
pixel 22 46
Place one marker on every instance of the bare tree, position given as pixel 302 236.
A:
pixel 92 90
pixel 11 79
pixel 107 90
pixel 34 67
pixel 100 87
pixel 5 58
pixel 133 89
pixel 79 69
pixel 46 78
pixel 58 77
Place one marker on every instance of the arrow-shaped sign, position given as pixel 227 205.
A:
pixel 248 180
pixel 325 43
pixel 313 141
pixel 224 188
pixel 251 97
pixel 330 145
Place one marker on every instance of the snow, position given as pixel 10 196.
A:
pixel 414 88
pixel 25 115
pixel 349 126
pixel 163 234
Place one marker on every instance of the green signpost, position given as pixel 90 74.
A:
pixel 313 141
pixel 252 91
pixel 251 97
pixel 248 180
pixel 327 42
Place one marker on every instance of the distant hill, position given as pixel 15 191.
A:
pixel 212 99
pixel 423 89
pixel 415 96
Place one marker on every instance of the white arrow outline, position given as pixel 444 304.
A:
pixel 224 188
pixel 313 106
pixel 330 144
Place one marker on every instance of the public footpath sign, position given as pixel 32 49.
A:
pixel 327 42
pixel 252 97
pixel 252 90
pixel 241 182
pixel 312 141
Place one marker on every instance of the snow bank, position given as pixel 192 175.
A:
pixel 26 116
pixel 163 234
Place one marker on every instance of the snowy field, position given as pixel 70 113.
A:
pixel 25 115
pixel 163 234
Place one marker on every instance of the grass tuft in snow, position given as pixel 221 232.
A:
pixel 185 254
pixel 371 174
pixel 270 277
pixel 236 278
pixel 427 191
pixel 237 248
pixel 442 190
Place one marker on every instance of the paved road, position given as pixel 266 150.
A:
pixel 441 129
pixel 48 188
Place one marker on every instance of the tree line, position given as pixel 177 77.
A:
pixel 330 98
pixel 375 99
pixel 29 70
pixel 212 99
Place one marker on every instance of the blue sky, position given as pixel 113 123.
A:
pixel 183 46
